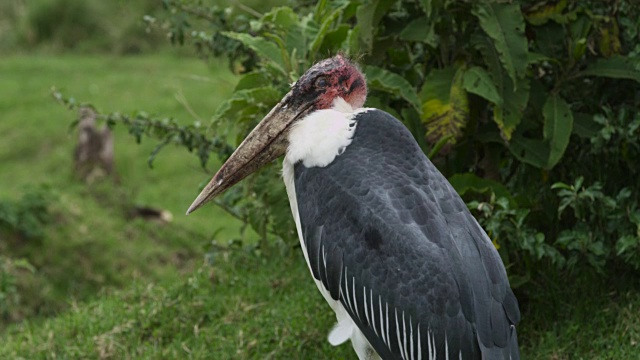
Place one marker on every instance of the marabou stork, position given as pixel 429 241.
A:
pixel 393 249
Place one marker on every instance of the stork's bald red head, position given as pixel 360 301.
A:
pixel 328 79
pixel 317 89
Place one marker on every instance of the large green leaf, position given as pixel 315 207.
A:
pixel 422 30
pixel 469 182
pixel 531 151
pixel 558 124
pixel 309 29
pixel 427 6
pixel 445 107
pixel 291 34
pixel 437 84
pixel 368 16
pixel 283 17
pixel 478 81
pixel 366 27
pixel 296 43
pixel 535 58
pixel 434 7
pixel 505 25
pixel 336 39
pixel 508 113
pixel 381 79
pixel 246 102
pixel 252 80
pixel 265 49
pixel 289 31
pixel 617 67
pixel 584 125
pixel 325 27
pixel 320 9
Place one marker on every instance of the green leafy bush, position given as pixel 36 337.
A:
pixel 26 217
pixel 20 221
pixel 507 98
pixel 9 293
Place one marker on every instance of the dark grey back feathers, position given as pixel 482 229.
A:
pixel 392 241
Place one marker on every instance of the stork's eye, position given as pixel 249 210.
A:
pixel 321 82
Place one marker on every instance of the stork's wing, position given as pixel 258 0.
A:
pixel 392 241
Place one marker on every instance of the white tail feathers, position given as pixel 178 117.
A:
pixel 341 332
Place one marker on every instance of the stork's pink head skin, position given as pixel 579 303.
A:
pixel 317 89
pixel 331 78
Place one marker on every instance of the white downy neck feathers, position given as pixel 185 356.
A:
pixel 324 134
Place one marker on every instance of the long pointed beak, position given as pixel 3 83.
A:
pixel 266 142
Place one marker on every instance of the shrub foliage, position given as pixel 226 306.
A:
pixel 20 221
pixel 530 108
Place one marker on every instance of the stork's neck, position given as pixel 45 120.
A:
pixel 317 139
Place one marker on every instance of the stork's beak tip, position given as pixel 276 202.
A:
pixel 191 209
pixel 197 203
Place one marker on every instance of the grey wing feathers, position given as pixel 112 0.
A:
pixel 391 240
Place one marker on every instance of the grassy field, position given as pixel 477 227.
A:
pixel 105 286
pixel 91 243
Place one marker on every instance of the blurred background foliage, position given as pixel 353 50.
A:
pixel 89 26
pixel 529 108
pixel 78 26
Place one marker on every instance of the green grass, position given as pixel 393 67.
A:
pixel 247 307
pixel 241 307
pixel 108 287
